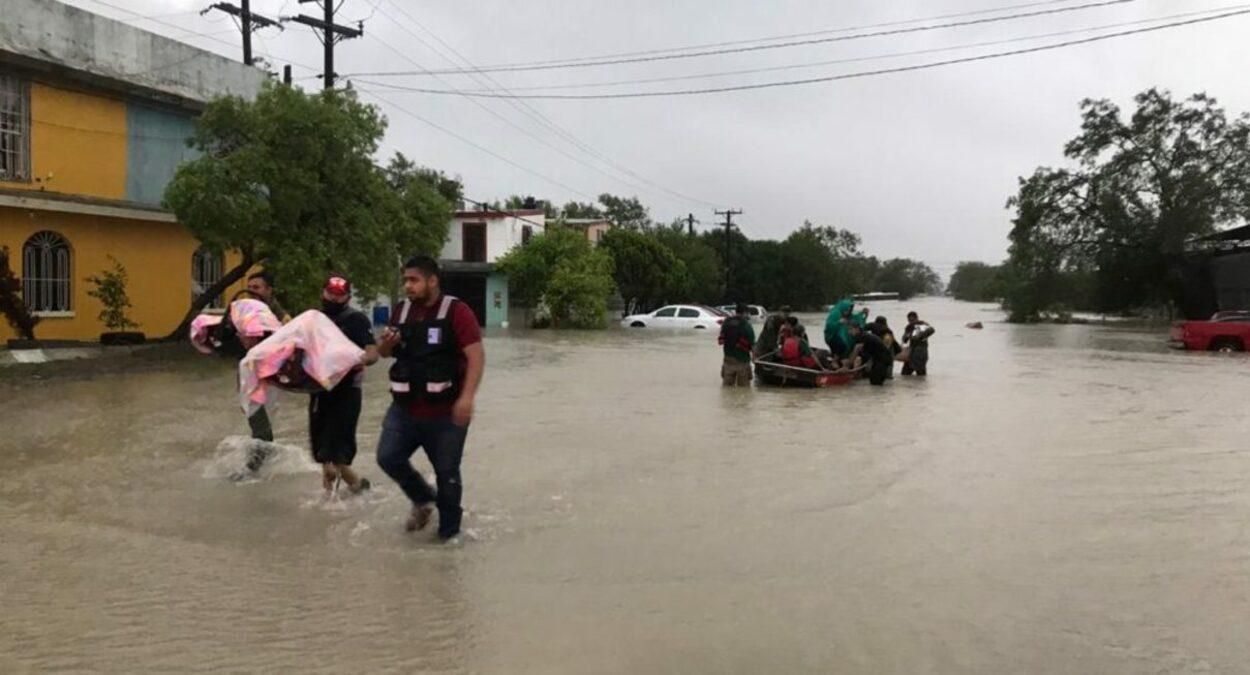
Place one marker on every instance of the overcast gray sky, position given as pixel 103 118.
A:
pixel 920 164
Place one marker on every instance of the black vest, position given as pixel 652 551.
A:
pixel 732 334
pixel 427 360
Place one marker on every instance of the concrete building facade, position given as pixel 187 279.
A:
pixel 94 119
pixel 475 242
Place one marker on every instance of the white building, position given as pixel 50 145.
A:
pixel 475 242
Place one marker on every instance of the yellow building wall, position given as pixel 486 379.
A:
pixel 78 144
pixel 157 258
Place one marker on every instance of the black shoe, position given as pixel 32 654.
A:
pixel 362 486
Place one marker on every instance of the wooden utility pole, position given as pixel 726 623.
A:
pixel 690 224
pixel 330 34
pixel 249 22
pixel 729 224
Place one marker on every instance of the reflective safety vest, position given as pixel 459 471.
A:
pixel 427 360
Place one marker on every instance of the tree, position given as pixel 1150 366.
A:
pixel 110 290
pixel 907 277
pixel 811 276
pixel 705 274
pixel 646 271
pixel 577 296
pixel 12 306
pixel 425 197
pixel 288 180
pixel 625 212
pixel 976 282
pixel 580 210
pixel 561 270
pixel 1140 190
pixel 401 170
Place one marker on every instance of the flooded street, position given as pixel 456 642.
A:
pixel 1052 499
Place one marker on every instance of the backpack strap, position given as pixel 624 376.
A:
pixel 403 311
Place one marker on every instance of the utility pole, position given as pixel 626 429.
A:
pixel 729 224
pixel 690 224
pixel 330 34
pixel 248 23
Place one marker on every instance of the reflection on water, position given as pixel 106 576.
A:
pixel 1050 499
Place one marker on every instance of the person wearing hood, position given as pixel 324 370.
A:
pixel 333 414
pixel 837 328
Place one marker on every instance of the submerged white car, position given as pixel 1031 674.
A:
pixel 756 313
pixel 697 317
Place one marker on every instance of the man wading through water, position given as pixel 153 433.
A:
pixel 260 286
pixel 439 361
pixel 332 415
pixel 917 334
pixel 737 338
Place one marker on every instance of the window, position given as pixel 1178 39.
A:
pixel 205 271
pixel 474 239
pixel 688 313
pixel 527 233
pixel 46 273
pixel 14 129
pixel 667 312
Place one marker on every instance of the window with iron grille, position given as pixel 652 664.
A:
pixel 205 271
pixel 46 273
pixel 14 129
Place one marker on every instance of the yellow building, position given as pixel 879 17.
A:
pixel 94 117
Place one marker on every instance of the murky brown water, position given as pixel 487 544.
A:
pixel 1053 499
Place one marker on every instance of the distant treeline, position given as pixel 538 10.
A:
pixel 651 264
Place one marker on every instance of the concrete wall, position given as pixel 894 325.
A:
pixel 157 144
pixel 101 51
pixel 502 235
pixel 156 255
pixel 78 144
pixel 595 232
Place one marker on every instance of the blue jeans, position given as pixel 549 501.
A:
pixel 443 443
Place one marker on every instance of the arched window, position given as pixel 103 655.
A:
pixel 205 271
pixel 46 273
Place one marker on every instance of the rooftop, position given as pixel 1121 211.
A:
pixel 50 38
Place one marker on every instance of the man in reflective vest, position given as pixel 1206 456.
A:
pixel 439 361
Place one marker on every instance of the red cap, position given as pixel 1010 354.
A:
pixel 338 285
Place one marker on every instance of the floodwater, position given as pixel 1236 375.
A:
pixel 1053 499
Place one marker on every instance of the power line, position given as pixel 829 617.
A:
pixel 462 139
pixel 489 110
pixel 209 36
pixel 330 34
pixel 827 31
pixel 833 78
pixel 249 22
pixel 755 48
pixel 543 119
pixel 860 59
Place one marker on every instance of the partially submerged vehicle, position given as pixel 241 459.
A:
pixel 756 313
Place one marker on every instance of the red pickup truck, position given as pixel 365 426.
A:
pixel 1223 332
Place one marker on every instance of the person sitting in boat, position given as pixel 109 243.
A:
pixel 770 336
pixel 837 328
pixel 795 351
